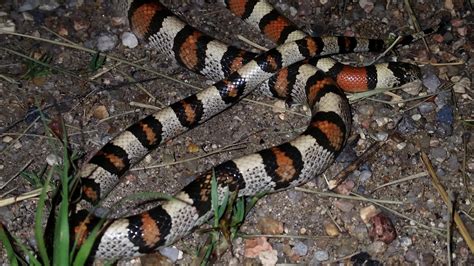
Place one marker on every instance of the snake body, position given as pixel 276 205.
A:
pixel 238 73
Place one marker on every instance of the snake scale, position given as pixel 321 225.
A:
pixel 237 73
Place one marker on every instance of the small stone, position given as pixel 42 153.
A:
pixel 331 229
pixel 365 176
pixel 431 81
pixel 439 153
pixel 279 107
pixel 366 5
pixel 267 225
pixel 300 248
pixel 405 241
pixel 100 112
pixel 411 256
pixel 106 42
pixel 268 257
pixel 7 139
pixel 320 255
pixel 17 145
pixel 426 108
pixel 416 117
pixel 50 5
pixel 171 253
pixel 53 159
pixel 368 212
pixel 445 115
pixel 28 5
pixel 382 136
pixel 255 246
pixel 359 231
pixel 344 205
pixel 129 40
pixel 303 231
pixel 462 85
pixel 193 148
pixel 453 163
pixel 382 229
pixel 376 247
pixel 401 145
pixel 427 259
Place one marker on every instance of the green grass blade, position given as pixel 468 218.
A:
pixel 223 206
pixel 39 215
pixel 215 199
pixel 61 233
pixel 7 244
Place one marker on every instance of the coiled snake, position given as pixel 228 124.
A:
pixel 238 73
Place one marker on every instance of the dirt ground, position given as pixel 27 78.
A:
pixel 435 118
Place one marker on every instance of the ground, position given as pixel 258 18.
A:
pixel 434 118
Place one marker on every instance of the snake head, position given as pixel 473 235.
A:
pixel 405 72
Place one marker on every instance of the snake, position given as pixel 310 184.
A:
pixel 288 71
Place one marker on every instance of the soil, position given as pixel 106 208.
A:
pixel 97 107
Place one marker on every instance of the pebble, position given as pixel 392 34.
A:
pixel 129 40
pixel 461 85
pixel 445 115
pixel 427 259
pixel 416 117
pixel 367 5
pixel 453 163
pixel 53 159
pixel 268 225
pixel 376 247
pixel 7 139
pixel 50 5
pixel 382 136
pixel 28 5
pixel 401 145
pixel 268 257
pixel 368 212
pixel 344 205
pixel 426 108
pixel 300 248
pixel 443 98
pixel 367 110
pixel 106 42
pixel 407 125
pixel 331 229
pixel 365 175
pixel 411 255
pixel 320 255
pixel 171 253
pixel 431 81
pixel 405 241
pixel 17 145
pixel 359 232
pixel 439 153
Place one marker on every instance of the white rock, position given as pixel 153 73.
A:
pixel 129 40
pixel 7 139
pixel 53 159
pixel 106 42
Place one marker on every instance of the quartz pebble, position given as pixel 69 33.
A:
pixel 171 253
pixel 300 248
pixel 53 159
pixel 320 255
pixel 129 40
pixel 106 42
